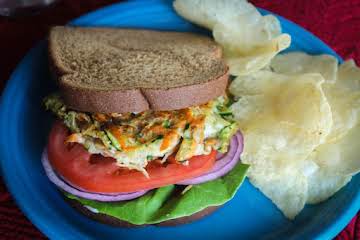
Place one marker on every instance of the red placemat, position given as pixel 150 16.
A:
pixel 335 22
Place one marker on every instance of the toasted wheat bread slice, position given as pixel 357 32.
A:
pixel 126 70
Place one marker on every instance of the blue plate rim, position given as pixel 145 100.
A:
pixel 332 229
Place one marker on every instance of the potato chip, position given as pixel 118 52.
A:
pixel 338 154
pixel 283 119
pixel 299 113
pixel 344 98
pixel 299 63
pixel 345 107
pixel 287 190
pixel 269 99
pixel 207 13
pixel 340 157
pixel 249 39
pixel 349 76
pixel 338 88
pixel 252 33
pixel 270 150
pixel 244 64
pixel 322 185
pixel 253 45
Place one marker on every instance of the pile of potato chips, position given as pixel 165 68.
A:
pixel 249 40
pixel 299 113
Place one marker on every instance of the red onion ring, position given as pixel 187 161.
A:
pixel 102 197
pixel 224 163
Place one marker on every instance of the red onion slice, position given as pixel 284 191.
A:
pixel 224 163
pixel 102 197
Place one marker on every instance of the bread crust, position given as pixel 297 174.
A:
pixel 136 100
pixel 106 219
pixel 186 96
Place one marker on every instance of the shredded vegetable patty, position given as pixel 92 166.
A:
pixel 134 139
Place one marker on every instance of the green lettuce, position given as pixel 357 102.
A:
pixel 167 203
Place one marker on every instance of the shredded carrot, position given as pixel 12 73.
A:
pixel 73 138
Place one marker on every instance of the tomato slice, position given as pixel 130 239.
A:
pixel 95 173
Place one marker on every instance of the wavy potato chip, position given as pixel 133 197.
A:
pixel 339 86
pixel 287 190
pixel 253 33
pixel 340 157
pixel 283 119
pixel 269 150
pixel 207 13
pixel 299 113
pixel 349 76
pixel 299 63
pixel 345 107
pixel 251 62
pixel 344 98
pixel 296 101
pixel 249 39
pixel 322 185
pixel 253 45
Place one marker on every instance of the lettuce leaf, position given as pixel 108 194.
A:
pixel 167 203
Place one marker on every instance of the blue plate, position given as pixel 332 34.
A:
pixel 24 126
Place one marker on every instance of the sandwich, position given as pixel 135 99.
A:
pixel 143 131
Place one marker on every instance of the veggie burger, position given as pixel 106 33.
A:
pixel 143 133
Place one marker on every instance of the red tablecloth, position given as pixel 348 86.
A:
pixel 336 22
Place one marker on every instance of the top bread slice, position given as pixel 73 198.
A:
pixel 126 70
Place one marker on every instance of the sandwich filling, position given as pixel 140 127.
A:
pixel 134 139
